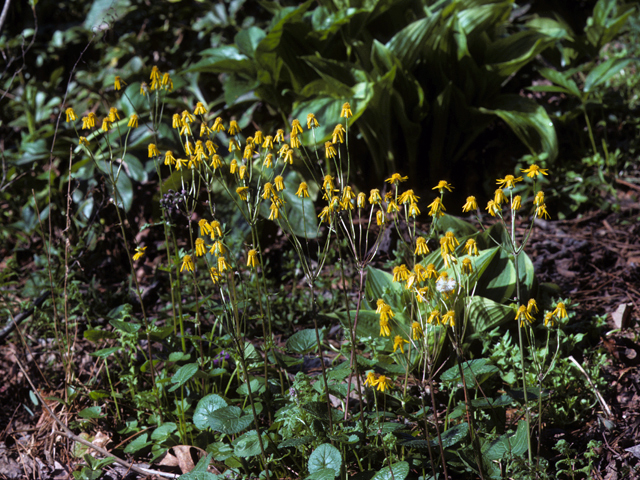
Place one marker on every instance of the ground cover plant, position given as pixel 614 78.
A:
pixel 276 316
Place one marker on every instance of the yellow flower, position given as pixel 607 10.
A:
pixel 466 266
pixel 451 241
pixel 560 311
pixel 380 218
pixel 295 141
pixel 303 190
pixel 211 147
pixel 431 271
pixel 541 212
pixel 274 213
pixel 181 163
pixel 533 171
pixel 385 313
pixel 442 184
pixel 279 135
pixel 398 342
pixel 385 331
pixel 436 208
pixel 334 203
pixel 325 215
pixel 532 307
pixel 421 294
pixel 188 148
pixel 516 203
pixel 449 318
pixel 176 121
pixel 199 247
pixel 118 82
pixel 408 197
pixel 106 124
pixel 346 111
pixel 539 199
pixel 139 253
pixel 371 379
pixel 374 197
pixel 383 383
pixel 218 248
pixel 400 273
pixel 311 121
pixel 288 156
pixel 549 320
pixel 296 127
pixel 85 123
pixel 279 183
pixel 153 151
pixel 205 228
pixel 258 138
pixel 392 207
pixel 492 208
pixel 499 197
pixel 416 331
pixel 523 315
pixel 396 178
pixel 414 210
pixel 268 142
pixel 155 73
pixel 420 272
pixel 327 184
pixel 233 166
pixel 217 125
pixel 215 229
pixel 434 317
pixel 361 200
pixel 338 134
pixel 233 128
pixel 166 81
pixel 470 205
pixel 133 121
pixel 143 88
pixel 200 110
pixel 508 181
pixel 215 275
pixel 71 115
pixel 223 266
pixel 187 264
pixel 113 114
pixel 471 247
pixel 187 117
pixel 329 151
pixel 91 119
pixel 421 246
pixel 252 258
pixel 83 141
pixel 216 161
pixel 242 193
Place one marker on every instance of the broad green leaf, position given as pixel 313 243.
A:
pixel 508 54
pixel 105 352
pixel 226 59
pixel 485 314
pixel 129 328
pixel 475 373
pixel 183 374
pixel 295 442
pixel 97 335
pixel 303 341
pixel 514 444
pixel 397 471
pixel 257 387
pixel 91 412
pixel 325 456
pixel 228 420
pixel 528 120
pixel 138 443
pixel 104 13
pixel 205 408
pixel 319 410
pixel 248 445
pixel 408 44
pixel 164 431
pixel 300 212
pixel 561 79
pixel 248 39
pixel 501 401
pixel 453 435
pixel 604 72
pixel 322 474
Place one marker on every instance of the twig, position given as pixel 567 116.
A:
pixel 3 15
pixel 76 438
pixel 604 405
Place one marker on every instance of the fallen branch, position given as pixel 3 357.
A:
pixel 15 321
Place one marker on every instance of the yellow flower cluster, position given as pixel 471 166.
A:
pixel 381 382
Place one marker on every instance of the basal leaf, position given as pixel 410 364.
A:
pixel 205 408
pixel 397 471
pixel 325 456
pixel 303 341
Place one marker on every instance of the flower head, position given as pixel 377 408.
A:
pixel 374 197
pixel 361 200
pixel 436 208
pixel 312 121
pixel 533 171
pixel 400 273
pixel 113 114
pixel 153 150
pixel 408 197
pixel 560 310
pixel 380 218
pixel 71 115
pixel 442 185
pixel 471 247
pixel 83 141
pixel 532 307
pixel 516 203
pixel 243 193
pixel 205 227
pixel 329 150
pixel 139 253
pixel 133 121
pixel 396 178
pixel 252 258
pixel 106 124
pixel 470 205
pixel 371 379
pixel 303 190
pixel 199 110
pixel 118 82
pixel 416 331
pixel 279 183
pixel 449 319
pixel 467 267
pixel 499 197
pixel 421 246
pixel 187 264
pixel 398 342
pixel 233 128
pixel 199 247
pixel 508 181
pixel 338 134
pixel 346 111
pixel 493 208
pixel 215 274
pixel 523 315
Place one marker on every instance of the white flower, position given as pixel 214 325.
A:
pixel 445 285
